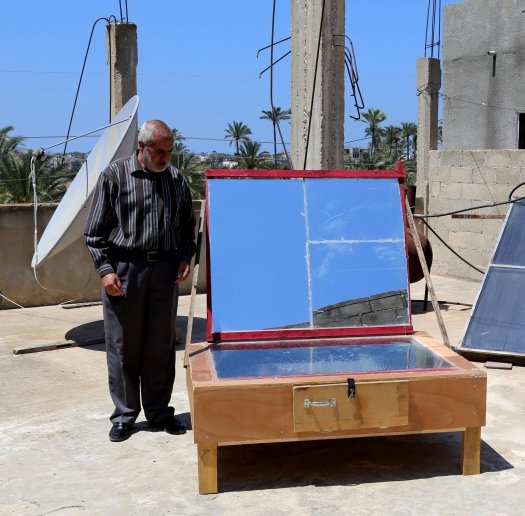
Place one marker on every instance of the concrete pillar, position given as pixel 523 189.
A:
pixel 326 141
pixel 121 45
pixel 428 82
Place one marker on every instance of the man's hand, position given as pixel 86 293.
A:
pixel 183 271
pixel 112 285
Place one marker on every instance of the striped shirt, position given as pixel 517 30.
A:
pixel 137 210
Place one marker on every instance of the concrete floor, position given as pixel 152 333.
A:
pixel 55 456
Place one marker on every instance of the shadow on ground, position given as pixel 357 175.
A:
pixel 418 306
pixel 91 335
pixel 347 461
pixel 143 426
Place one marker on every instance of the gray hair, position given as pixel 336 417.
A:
pixel 152 130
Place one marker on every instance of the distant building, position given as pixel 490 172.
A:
pixel 229 164
pixel 354 153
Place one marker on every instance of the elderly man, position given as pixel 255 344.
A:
pixel 140 234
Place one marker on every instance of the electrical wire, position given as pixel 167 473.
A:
pixel 492 205
pixel 481 103
pixel 450 248
pixel 108 20
pixel 37 154
pixel 314 85
pixel 276 122
pixel 423 217
pixel 431 43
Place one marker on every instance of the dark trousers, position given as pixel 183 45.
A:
pixel 140 347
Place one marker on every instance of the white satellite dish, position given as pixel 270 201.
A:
pixel 68 221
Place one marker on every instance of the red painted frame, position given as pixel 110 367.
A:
pixel 398 173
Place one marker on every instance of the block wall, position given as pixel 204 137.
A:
pixel 461 179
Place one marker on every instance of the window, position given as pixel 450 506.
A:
pixel 521 130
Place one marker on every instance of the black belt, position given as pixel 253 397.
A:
pixel 149 256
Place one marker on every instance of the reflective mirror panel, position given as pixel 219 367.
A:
pixel 257 253
pixel 302 358
pixel 306 253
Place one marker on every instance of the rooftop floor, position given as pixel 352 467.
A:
pixel 55 455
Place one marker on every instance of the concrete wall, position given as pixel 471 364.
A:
pixel 462 179
pixel 480 107
pixel 68 275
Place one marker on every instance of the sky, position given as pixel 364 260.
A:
pixel 197 66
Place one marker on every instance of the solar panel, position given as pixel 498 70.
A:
pixel 497 324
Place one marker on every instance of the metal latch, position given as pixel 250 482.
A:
pixel 351 387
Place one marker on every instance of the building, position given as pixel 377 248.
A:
pixel 484 75
pixel 481 163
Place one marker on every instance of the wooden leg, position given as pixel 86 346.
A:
pixel 207 468
pixel 471 450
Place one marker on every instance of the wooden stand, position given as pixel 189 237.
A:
pixel 263 410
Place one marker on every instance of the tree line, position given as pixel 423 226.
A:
pixel 387 145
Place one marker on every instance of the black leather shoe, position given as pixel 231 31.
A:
pixel 120 432
pixel 172 426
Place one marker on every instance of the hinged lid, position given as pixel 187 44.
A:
pixel 306 254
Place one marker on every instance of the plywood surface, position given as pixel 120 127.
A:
pixel 263 409
pixel 325 408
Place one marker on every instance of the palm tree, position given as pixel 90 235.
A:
pixel 187 163
pixel 379 160
pixel 409 130
pixel 8 144
pixel 373 117
pixel 250 155
pixel 177 135
pixel 15 174
pixel 237 132
pixel 276 115
pixel 392 136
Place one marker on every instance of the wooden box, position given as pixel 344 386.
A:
pixel 351 366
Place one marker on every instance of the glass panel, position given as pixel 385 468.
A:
pixel 498 319
pixel 512 242
pixel 296 253
pixel 328 358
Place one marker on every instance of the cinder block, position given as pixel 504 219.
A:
pixel 451 158
pixel 497 158
pixel 509 176
pixel 461 174
pixel 517 158
pixel 484 175
pixel 451 190
pixel 473 158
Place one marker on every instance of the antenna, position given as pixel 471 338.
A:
pixel 67 223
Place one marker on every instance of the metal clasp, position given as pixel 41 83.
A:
pixel 351 388
pixel 330 403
